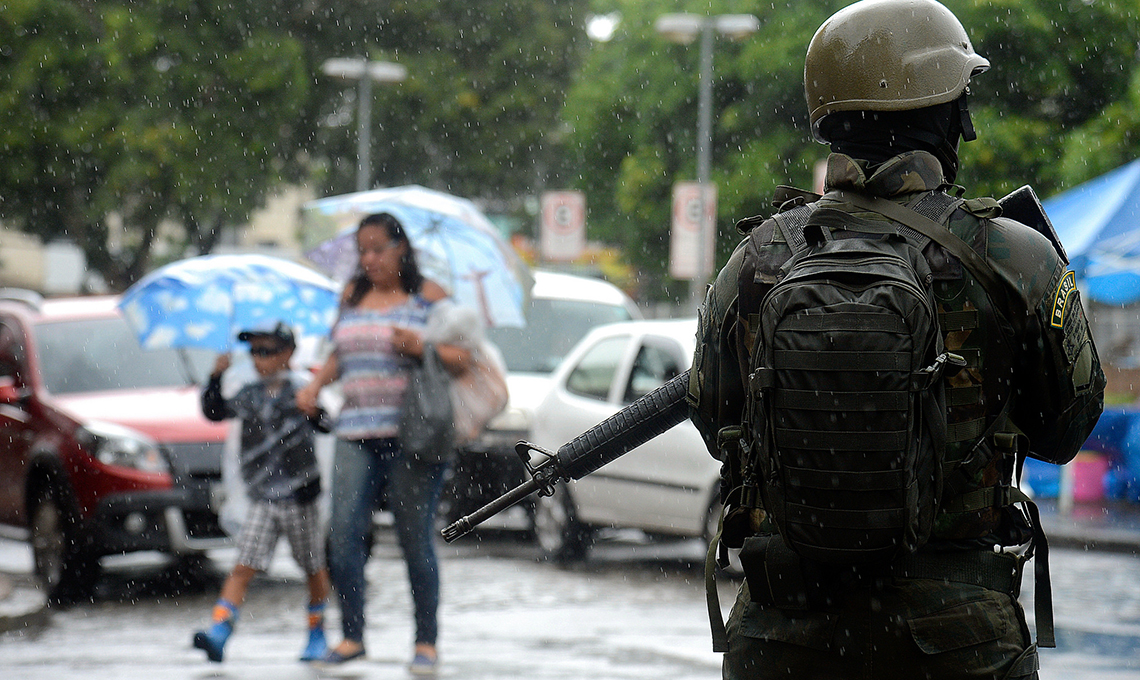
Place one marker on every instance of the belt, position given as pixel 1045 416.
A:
pixel 992 570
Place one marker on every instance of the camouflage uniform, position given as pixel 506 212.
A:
pixel 892 625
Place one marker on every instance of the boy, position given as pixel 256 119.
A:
pixel 279 468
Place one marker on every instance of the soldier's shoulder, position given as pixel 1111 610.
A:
pixel 1008 234
pixel 1006 237
pixel 1022 255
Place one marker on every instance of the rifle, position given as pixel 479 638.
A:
pixel 610 439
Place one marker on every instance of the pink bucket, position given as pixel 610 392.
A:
pixel 1089 470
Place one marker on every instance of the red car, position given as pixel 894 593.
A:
pixel 103 447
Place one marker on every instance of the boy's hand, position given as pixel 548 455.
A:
pixel 220 365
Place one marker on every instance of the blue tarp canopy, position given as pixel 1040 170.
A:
pixel 1098 222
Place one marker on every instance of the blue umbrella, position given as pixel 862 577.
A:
pixel 455 244
pixel 1099 224
pixel 206 301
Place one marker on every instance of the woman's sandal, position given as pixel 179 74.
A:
pixel 335 658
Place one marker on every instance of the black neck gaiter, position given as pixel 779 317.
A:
pixel 876 136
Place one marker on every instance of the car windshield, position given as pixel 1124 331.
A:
pixel 553 327
pixel 92 355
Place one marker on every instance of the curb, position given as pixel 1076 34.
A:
pixel 1108 526
pixel 22 606
pixel 1103 540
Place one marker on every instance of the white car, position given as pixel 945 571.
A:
pixel 669 485
pixel 561 309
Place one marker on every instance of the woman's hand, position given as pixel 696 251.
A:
pixel 407 342
pixel 455 359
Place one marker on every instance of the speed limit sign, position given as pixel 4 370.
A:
pixel 563 225
pixel 693 236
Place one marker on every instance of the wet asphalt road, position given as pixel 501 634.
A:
pixel 634 611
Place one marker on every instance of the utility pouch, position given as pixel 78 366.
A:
pixel 774 573
pixel 742 522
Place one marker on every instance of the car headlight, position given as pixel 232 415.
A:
pixel 117 445
pixel 511 420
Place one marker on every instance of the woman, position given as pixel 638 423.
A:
pixel 377 338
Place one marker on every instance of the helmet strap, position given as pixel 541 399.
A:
pixel 964 120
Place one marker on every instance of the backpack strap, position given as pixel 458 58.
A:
pixel 936 205
pixel 791 224
pixel 712 597
pixel 1042 587
pixel 977 265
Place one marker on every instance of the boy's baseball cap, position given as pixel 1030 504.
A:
pixel 270 329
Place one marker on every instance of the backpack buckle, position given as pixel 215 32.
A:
pixel 761 379
pixel 927 377
pixel 951 359
pixel 730 434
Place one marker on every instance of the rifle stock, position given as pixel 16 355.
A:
pixel 644 419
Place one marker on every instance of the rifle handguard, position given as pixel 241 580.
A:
pixel 644 419
pixel 629 428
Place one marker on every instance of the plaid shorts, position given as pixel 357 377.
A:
pixel 266 522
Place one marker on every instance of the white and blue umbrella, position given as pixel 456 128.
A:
pixel 206 301
pixel 455 244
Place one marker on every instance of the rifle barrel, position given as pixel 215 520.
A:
pixel 464 525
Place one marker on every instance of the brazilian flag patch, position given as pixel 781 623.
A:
pixel 1065 289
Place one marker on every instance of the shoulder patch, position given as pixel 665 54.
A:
pixel 1061 299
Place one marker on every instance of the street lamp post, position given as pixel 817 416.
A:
pixel 684 28
pixel 364 72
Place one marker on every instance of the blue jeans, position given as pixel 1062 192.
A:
pixel 362 471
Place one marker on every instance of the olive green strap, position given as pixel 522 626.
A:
pixel 938 233
pixel 716 619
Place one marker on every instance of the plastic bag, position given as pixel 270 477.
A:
pixel 480 393
pixel 427 433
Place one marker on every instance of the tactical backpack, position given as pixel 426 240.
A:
pixel 845 418
pixel 843 441
pixel 846 413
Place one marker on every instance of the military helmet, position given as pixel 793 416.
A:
pixel 887 55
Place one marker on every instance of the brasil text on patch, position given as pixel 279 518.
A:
pixel 1065 288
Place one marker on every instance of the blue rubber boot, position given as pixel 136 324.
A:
pixel 317 647
pixel 213 640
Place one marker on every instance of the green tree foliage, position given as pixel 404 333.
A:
pixel 1056 76
pixel 1057 107
pixel 193 110
pixel 478 114
pixel 143 111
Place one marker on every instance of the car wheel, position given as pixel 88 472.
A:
pixel 557 530
pixel 67 570
pixel 712 522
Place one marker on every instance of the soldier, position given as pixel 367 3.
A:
pixel 886 84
